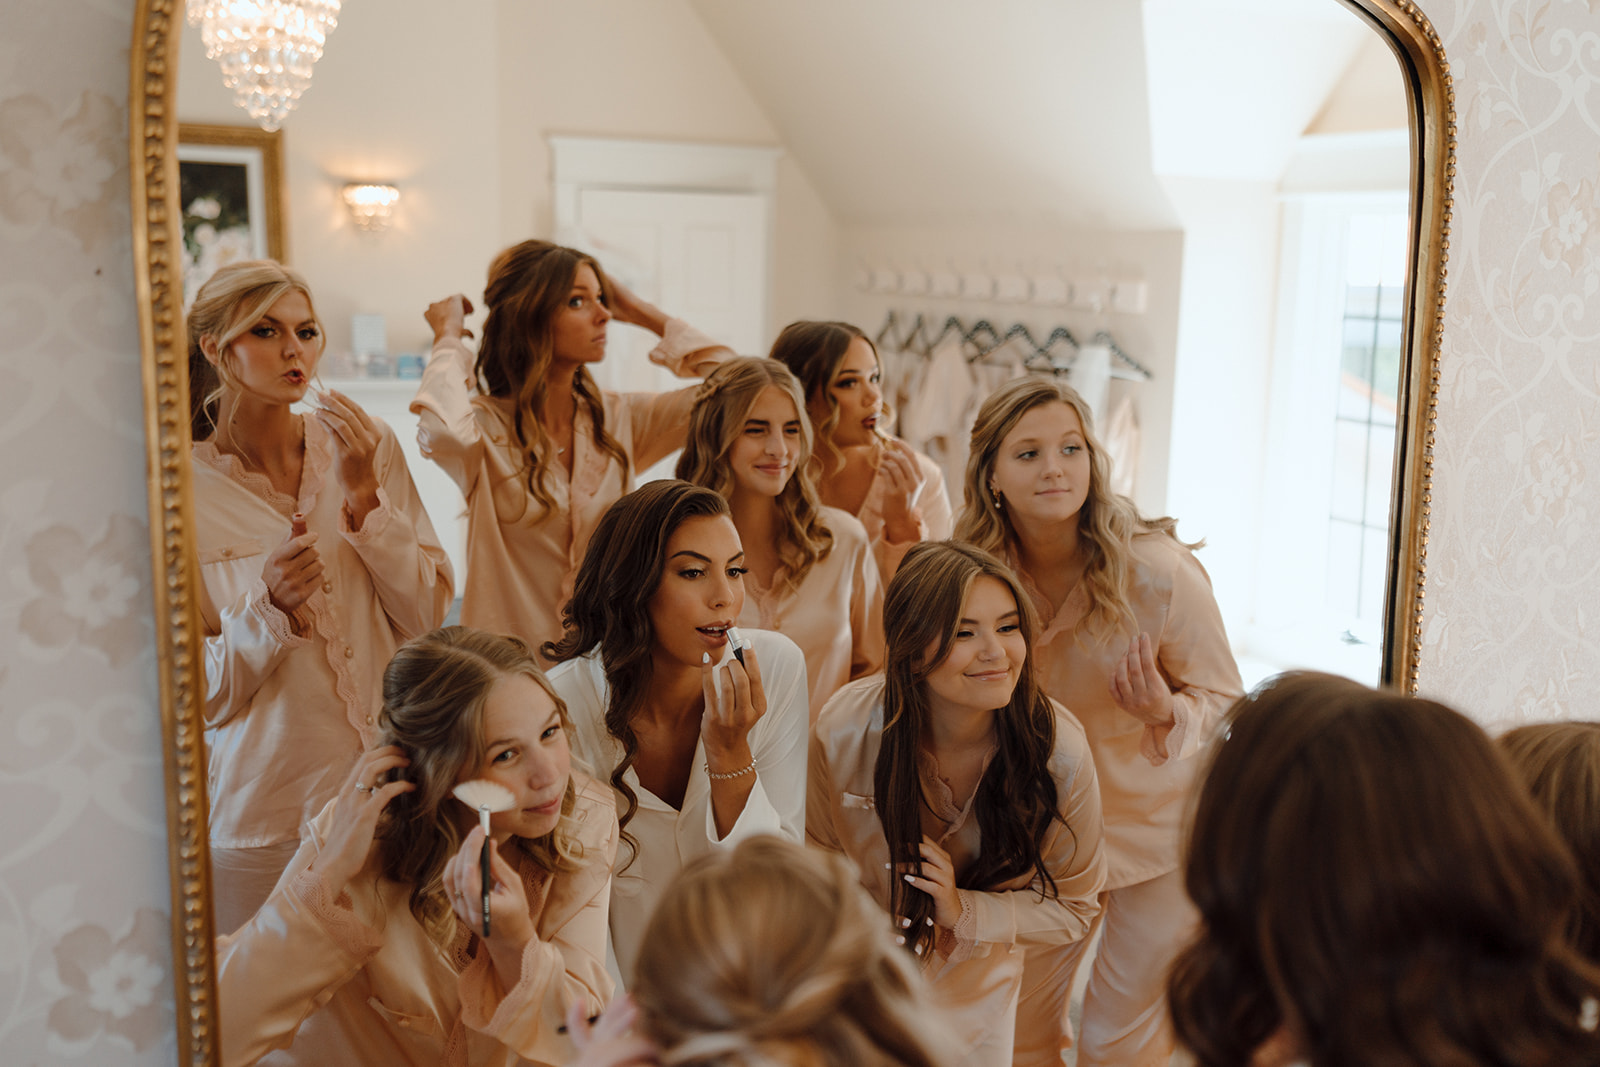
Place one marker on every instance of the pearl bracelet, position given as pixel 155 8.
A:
pixel 714 776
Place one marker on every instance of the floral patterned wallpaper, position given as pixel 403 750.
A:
pixel 85 949
pixel 1512 627
pixel 1511 631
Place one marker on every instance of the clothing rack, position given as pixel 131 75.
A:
pixel 983 337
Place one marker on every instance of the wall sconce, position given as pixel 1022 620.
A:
pixel 371 206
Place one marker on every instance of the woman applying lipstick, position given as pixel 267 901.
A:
pixel 316 561
pixel 702 750
pixel 537 448
pixel 897 492
pixel 812 575
pixel 370 950
pixel 1133 645
pixel 967 800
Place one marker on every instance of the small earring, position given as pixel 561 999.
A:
pixel 999 501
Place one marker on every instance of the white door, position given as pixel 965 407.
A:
pixel 701 257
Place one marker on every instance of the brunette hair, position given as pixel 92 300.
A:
pixel 1016 800
pixel 230 302
pixel 814 351
pixel 1375 887
pixel 434 693
pixel 721 407
pixel 1560 764
pixel 610 605
pixel 772 954
pixel 528 283
pixel 1107 522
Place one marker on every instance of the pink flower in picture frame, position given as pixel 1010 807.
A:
pixel 115 988
pixel 94 594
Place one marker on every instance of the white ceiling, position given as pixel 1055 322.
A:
pixel 1016 111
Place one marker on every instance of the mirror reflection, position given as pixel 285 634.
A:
pixel 1110 292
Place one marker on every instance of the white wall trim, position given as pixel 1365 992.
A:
pixel 611 163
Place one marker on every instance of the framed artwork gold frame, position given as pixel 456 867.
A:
pixel 230 198
pixel 159 257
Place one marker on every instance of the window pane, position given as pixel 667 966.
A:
pixel 1361 302
pixel 1344 568
pixel 1391 300
pixel 1349 469
pixel 1386 361
pixel 1380 475
pixel 1373 575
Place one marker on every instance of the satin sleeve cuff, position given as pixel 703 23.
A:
pixel 758 817
pixel 372 524
pixel 682 348
pixel 337 916
pixel 958 944
pixel 277 625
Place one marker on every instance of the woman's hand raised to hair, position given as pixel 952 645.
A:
pixel 448 317
pixel 1137 685
pixel 610 1042
pixel 725 725
pixel 355 445
pixel 902 485
pixel 626 306
pixel 348 847
pixel 938 880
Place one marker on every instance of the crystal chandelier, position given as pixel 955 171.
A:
pixel 266 49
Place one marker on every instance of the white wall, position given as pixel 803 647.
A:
pixel 396 99
pixel 459 121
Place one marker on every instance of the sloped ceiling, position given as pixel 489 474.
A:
pixel 918 111
pixel 1017 111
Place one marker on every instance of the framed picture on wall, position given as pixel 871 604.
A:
pixel 230 180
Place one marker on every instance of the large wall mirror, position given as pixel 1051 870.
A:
pixel 1240 207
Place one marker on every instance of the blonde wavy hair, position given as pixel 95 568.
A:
pixel 1107 522
pixel 772 955
pixel 230 302
pixel 435 690
pixel 721 407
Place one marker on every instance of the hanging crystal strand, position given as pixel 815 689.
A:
pixel 266 49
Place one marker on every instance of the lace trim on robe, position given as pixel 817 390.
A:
pixel 337 916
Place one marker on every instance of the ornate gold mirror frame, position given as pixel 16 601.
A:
pixel 157 248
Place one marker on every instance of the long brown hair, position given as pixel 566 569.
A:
pixel 1376 886
pixel 610 605
pixel 814 351
pixel 771 953
pixel 1107 522
pixel 721 406
pixel 434 693
pixel 1016 800
pixel 528 283
pixel 230 302
pixel 1560 763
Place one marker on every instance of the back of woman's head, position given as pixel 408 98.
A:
pixel 771 954
pixel 231 301
pixel 1375 885
pixel 435 692
pixel 1560 764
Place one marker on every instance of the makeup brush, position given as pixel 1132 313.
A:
pixel 484 796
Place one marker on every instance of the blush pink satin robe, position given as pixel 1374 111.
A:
pixel 521 563
pixel 835 615
pixel 357 982
pixel 1000 978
